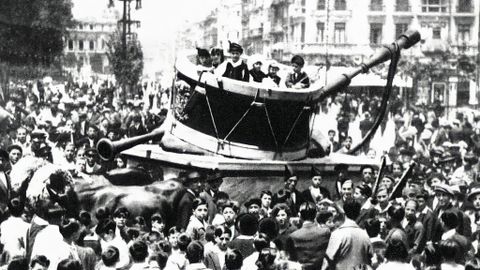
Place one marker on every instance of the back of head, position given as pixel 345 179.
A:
pixel 15 206
pixel 105 226
pixel 450 219
pixel 69 264
pixel 351 208
pixel 110 256
pixel 261 241
pixel 449 249
pixel 194 252
pixel 308 211
pixel 432 255
pixel 372 226
pixel 18 263
pixel 396 213
pixel 40 260
pixel 138 251
pixel 233 259
pixel 247 224
pixel 69 227
pixel 396 250
pixel 183 241
pixel 323 216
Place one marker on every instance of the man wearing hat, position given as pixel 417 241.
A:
pixel 212 184
pixel 297 79
pixel 194 184
pixel 445 195
pixel 253 206
pixel 15 153
pixel 315 191
pixel 468 170
pixel 236 69
pixel 290 184
pixel 203 59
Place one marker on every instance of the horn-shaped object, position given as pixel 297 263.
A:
pixel 108 149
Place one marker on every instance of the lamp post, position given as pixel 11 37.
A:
pixel 126 21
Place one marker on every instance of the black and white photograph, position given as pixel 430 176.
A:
pixel 239 135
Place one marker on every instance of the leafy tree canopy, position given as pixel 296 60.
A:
pixel 32 31
pixel 128 67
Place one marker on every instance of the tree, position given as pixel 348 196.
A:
pixel 127 65
pixel 31 36
pixel 32 31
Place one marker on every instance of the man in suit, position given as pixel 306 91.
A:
pixel 4 181
pixel 213 182
pixel 315 191
pixel 450 221
pixel 193 183
pixel 307 245
pixel 296 198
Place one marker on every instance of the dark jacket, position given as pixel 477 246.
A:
pixel 184 210
pixel 237 73
pixel 308 244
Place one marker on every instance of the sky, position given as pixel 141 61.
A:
pixel 160 20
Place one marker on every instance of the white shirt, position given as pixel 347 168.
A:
pixel 46 239
pixel 13 232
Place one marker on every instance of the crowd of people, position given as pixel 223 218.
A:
pixel 401 216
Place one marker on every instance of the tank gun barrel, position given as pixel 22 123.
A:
pixel 108 149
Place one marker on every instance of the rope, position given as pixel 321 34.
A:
pixel 293 126
pixel 243 116
pixel 210 109
pixel 271 128
pixel 238 122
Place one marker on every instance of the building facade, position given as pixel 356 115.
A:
pixel 86 44
pixel 347 32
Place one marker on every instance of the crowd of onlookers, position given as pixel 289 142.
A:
pixel 421 217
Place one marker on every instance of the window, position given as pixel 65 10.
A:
pixel 376 33
pixel 302 33
pixel 434 6
pixel 400 28
pixel 463 34
pixel 321 5
pixel 464 6
pixel 80 45
pixel 91 26
pixel 437 33
pixel 80 26
pixel 376 5
pixel 339 33
pixel 70 45
pixel 340 5
pixel 103 44
pixel 320 31
pixel 303 6
pixel 91 45
pixel 402 5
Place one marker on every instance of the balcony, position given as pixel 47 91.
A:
pixel 256 32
